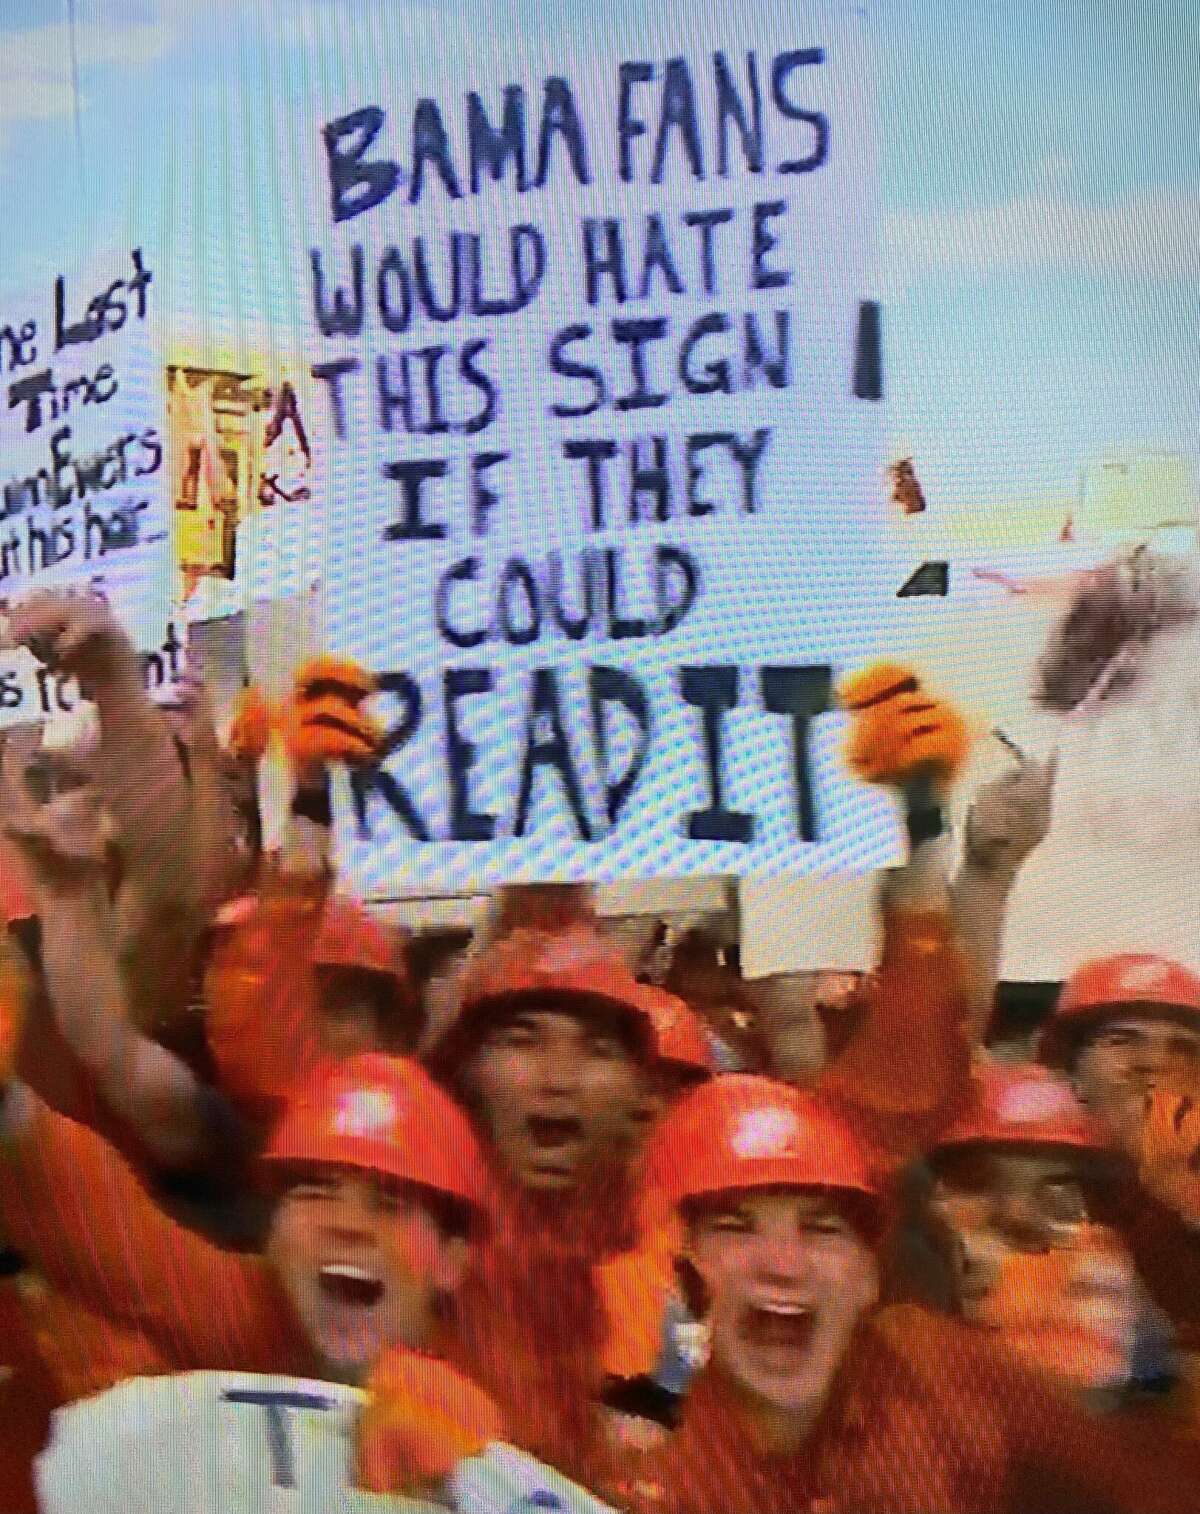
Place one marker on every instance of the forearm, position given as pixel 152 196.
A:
pixel 139 1080
pixel 214 833
pixel 145 789
pixel 979 900
pixel 921 885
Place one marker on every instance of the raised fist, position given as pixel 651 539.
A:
pixel 74 633
pixel 51 810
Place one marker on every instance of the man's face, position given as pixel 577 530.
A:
pixel 787 1277
pixel 560 1093
pixel 362 1262
pixel 1127 1057
pixel 991 1204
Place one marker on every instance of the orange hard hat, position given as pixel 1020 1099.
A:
pixel 680 1040
pixel 1130 981
pixel 383 1115
pixel 743 1131
pixel 351 937
pixel 575 966
pixel 1023 1106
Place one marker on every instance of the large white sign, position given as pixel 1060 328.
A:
pixel 83 491
pixel 591 322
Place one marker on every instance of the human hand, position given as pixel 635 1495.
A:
pixel 74 633
pixel 1010 815
pixel 51 811
pixel 421 1420
pixel 1169 1158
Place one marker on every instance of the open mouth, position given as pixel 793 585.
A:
pixel 779 1326
pixel 344 1283
pixel 550 1133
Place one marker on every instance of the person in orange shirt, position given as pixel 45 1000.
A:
pixel 639 1287
pixel 1126 1029
pixel 300 978
pixel 380 1189
pixel 814 1397
pixel 299 975
pixel 1028 1205
pixel 552 1052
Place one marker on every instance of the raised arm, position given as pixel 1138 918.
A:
pixel 1007 820
pixel 262 1000
pixel 138 1081
pixel 144 788
pixel 905 1070
pixel 260 993
pixel 72 1206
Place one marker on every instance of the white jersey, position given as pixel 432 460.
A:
pixel 234 1443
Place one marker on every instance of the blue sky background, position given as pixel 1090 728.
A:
pixel 1042 198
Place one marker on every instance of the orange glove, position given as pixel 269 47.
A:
pixel 421 1420
pixel 14 999
pixel 1170 1154
pixel 324 721
pixel 899 732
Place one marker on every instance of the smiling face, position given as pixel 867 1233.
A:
pixel 1127 1057
pixel 787 1277
pixel 363 1262
pixel 560 1090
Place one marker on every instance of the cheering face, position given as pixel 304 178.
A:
pixel 560 1093
pixel 992 1203
pixel 1126 1059
pixel 363 1263
pixel 787 1278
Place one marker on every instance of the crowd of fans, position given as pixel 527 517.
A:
pixel 700 1244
